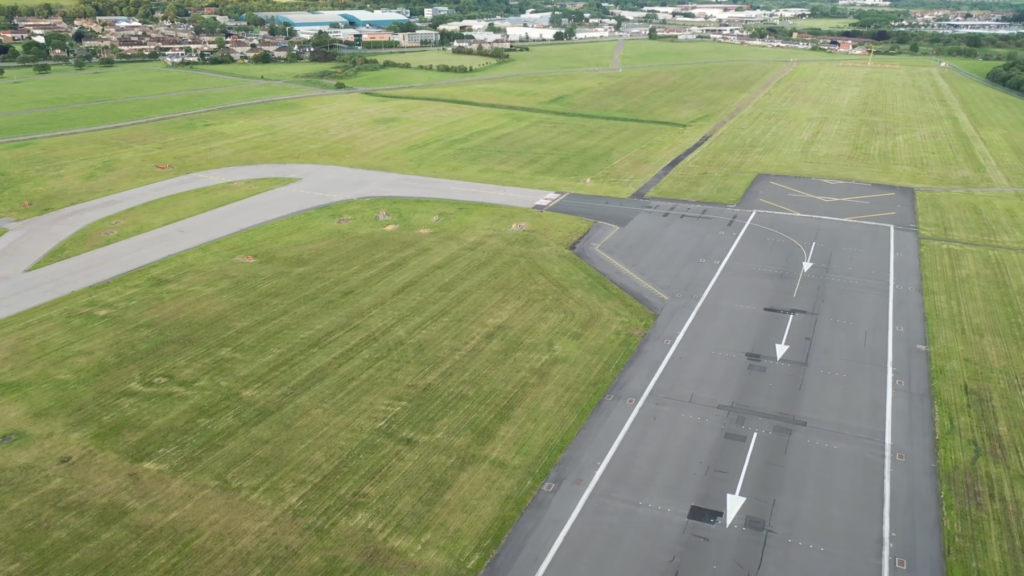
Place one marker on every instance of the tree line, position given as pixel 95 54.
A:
pixel 1010 75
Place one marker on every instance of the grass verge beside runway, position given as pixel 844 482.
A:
pixel 975 318
pixel 909 126
pixel 355 401
pixel 993 217
pixel 155 214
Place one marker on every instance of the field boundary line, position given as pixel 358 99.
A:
pixel 129 99
pixel 632 416
pixel 159 118
pixel 985 81
pixel 528 109
pixel 971 244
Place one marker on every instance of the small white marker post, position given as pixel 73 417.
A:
pixel 733 502
pixel 808 263
pixel 780 349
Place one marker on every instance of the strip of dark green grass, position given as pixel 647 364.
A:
pixel 530 110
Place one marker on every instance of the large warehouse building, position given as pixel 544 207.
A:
pixel 355 18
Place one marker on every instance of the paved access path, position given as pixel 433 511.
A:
pixel 30 240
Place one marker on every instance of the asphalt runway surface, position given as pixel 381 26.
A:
pixel 841 478
pixel 29 240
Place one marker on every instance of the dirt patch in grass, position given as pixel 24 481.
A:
pixel 391 227
pixel 344 220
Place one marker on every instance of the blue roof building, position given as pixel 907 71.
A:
pixel 354 18
pixel 363 18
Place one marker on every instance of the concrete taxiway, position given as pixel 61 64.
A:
pixel 840 478
pixel 318 185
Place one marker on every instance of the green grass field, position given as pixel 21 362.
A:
pixel 912 126
pixel 156 214
pixel 356 401
pixel 647 53
pixel 694 96
pixel 459 142
pixel 993 217
pixel 101 114
pixel 96 86
pixel 977 67
pixel 975 334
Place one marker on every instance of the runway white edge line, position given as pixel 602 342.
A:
pixel 632 416
pixel 887 473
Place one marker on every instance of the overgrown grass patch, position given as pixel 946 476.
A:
pixel 353 401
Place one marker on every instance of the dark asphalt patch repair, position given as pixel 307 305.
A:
pixel 665 170
pixel 763 415
pixel 705 515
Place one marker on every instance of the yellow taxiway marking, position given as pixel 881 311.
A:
pixel 825 199
pixel 870 216
pixel 623 268
pixel 799 192
pixel 778 206
pixel 863 197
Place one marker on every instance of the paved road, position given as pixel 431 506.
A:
pixel 617 55
pixel 28 241
pixel 643 488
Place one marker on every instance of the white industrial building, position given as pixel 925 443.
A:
pixel 526 34
pixel 429 13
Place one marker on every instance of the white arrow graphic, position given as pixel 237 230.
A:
pixel 808 264
pixel 733 502
pixel 780 349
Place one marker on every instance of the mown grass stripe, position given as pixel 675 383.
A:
pixel 529 109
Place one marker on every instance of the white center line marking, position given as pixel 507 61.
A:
pixel 733 502
pixel 887 474
pixel 632 416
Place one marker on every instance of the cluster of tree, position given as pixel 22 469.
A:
pixel 448 37
pixel 496 53
pixel 393 64
pixel 568 34
pixel 459 69
pixel 874 19
pixel 1010 75
pixel 30 52
pixel 220 59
